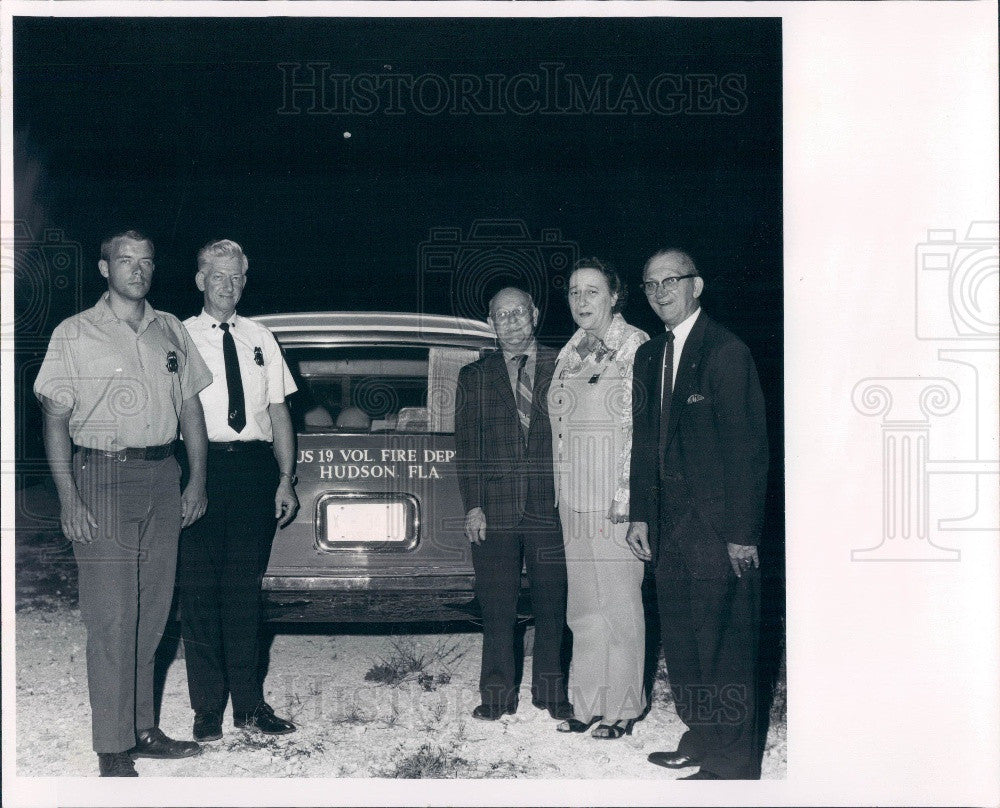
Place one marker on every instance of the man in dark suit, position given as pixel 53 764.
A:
pixel 504 452
pixel 698 480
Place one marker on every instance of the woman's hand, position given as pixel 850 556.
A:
pixel 618 512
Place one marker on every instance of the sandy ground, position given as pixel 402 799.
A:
pixel 352 721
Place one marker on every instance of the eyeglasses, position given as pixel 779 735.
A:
pixel 510 314
pixel 650 287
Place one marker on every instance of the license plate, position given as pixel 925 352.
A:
pixel 346 522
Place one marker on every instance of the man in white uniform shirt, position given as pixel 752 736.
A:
pixel 250 480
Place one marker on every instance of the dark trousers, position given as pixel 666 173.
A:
pixel 497 562
pixel 222 560
pixel 710 630
pixel 126 582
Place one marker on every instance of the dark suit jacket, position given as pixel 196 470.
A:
pixel 497 471
pixel 703 483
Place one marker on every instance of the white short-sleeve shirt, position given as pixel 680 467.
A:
pixel 266 378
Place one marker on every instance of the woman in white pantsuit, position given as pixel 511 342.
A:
pixel 590 407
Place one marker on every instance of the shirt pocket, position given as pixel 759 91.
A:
pixel 255 385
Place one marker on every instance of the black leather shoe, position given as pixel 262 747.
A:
pixel 673 760
pixel 154 744
pixel 560 712
pixel 207 725
pixel 116 764
pixel 264 719
pixel 491 712
pixel 701 774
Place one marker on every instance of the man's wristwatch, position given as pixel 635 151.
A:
pixel 291 477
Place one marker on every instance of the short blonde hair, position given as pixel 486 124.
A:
pixel 110 244
pixel 221 248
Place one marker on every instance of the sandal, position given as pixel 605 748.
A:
pixel 575 725
pixel 611 732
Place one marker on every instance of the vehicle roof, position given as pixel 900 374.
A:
pixel 328 328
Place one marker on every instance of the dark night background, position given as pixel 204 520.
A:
pixel 172 126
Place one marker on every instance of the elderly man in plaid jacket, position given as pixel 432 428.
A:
pixel 504 449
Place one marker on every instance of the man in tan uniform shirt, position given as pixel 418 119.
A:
pixel 116 382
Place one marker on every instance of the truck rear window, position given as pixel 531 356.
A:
pixel 376 388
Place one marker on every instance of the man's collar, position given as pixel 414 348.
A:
pixel 212 321
pixel 103 308
pixel 685 326
pixel 531 350
pixel 104 311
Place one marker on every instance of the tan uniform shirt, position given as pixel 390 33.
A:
pixel 124 388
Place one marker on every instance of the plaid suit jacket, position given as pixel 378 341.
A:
pixel 498 470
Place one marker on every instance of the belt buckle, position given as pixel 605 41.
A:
pixel 231 446
pixel 121 455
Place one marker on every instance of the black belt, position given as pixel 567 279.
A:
pixel 121 455
pixel 239 446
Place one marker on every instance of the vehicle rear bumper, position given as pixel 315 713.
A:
pixel 368 583
pixel 363 598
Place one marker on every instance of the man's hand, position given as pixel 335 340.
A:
pixel 78 523
pixel 193 504
pixel 638 541
pixel 741 556
pixel 618 512
pixel 475 526
pixel 285 502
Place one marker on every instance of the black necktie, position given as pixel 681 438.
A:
pixel 237 406
pixel 667 388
